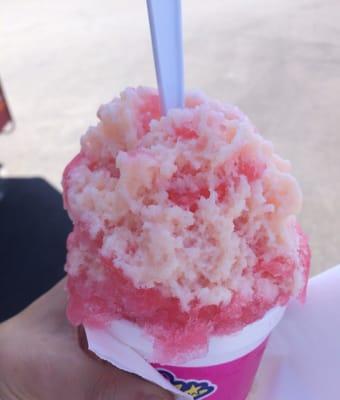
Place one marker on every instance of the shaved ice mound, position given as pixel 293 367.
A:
pixel 183 224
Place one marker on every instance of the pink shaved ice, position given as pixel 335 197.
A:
pixel 183 224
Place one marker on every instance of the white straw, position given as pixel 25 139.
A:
pixel 166 33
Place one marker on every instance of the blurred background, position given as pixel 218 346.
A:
pixel 279 61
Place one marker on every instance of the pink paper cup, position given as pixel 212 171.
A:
pixel 228 370
pixel 229 381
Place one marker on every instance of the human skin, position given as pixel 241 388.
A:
pixel 42 357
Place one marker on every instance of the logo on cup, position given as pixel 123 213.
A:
pixel 198 389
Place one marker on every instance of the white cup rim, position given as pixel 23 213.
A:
pixel 221 349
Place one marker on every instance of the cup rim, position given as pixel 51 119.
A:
pixel 221 349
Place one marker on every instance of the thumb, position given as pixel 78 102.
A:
pixel 115 384
pixel 110 383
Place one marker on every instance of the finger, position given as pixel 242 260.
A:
pixel 83 343
pixel 82 339
pixel 113 383
pixel 116 384
pixel 57 296
pixel 38 313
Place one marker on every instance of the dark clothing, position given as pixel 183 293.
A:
pixel 33 231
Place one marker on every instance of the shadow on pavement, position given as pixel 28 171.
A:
pixel 33 231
